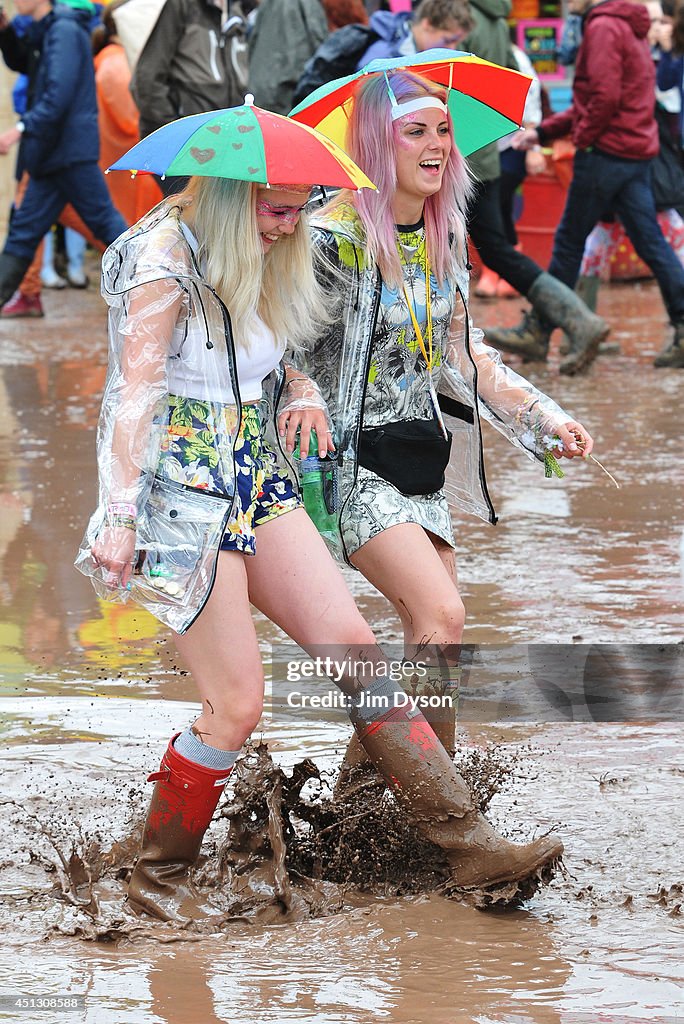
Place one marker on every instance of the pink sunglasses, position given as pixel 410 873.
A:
pixel 289 214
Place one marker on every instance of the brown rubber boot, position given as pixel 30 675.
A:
pixel 414 764
pixel 183 803
pixel 672 355
pixel 357 771
pixel 529 339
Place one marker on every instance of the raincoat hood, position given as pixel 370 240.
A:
pixel 493 8
pixel 636 15
pixel 154 249
pixel 391 27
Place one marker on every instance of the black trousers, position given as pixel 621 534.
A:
pixel 488 234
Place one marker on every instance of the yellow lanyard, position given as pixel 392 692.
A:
pixel 427 352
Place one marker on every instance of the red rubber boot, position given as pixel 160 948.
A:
pixel 183 804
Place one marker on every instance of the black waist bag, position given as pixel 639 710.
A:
pixel 412 455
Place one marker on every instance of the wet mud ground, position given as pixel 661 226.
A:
pixel 84 717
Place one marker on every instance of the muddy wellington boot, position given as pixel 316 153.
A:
pixel 672 355
pixel 12 270
pixel 183 803
pixel 357 771
pixel 416 767
pixel 553 305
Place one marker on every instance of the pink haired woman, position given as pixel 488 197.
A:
pixel 405 374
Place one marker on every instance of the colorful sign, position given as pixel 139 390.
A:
pixel 540 39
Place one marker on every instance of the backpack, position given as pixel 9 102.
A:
pixel 336 57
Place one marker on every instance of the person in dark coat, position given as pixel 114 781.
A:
pixel 285 34
pixel 614 130
pixel 435 23
pixel 58 135
pixel 193 60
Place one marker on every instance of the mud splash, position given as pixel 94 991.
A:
pixel 292 850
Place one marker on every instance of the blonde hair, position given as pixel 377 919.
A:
pixel 280 285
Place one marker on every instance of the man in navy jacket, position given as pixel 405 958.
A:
pixel 58 135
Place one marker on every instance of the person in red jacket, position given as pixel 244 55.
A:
pixel 613 127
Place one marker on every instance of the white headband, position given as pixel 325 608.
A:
pixel 422 103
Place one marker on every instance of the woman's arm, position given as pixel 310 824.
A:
pixel 510 402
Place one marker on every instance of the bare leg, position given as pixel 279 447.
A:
pixel 416 572
pixel 222 653
pixel 295 582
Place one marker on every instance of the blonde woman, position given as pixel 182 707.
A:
pixel 199 516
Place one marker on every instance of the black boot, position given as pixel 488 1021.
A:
pixel 12 270
pixel 673 354
pixel 553 305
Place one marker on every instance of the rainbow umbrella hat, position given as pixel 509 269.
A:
pixel 247 144
pixel 485 100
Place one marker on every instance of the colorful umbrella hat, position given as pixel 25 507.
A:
pixel 485 100
pixel 247 144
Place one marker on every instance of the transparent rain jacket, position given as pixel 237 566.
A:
pixel 157 295
pixel 474 381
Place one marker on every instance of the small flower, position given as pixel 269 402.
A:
pixel 550 442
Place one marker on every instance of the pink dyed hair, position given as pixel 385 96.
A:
pixel 371 144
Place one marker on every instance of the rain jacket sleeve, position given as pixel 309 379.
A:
pixel 505 399
pixel 62 79
pixel 136 391
pixel 15 51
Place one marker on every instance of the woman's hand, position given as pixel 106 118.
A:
pixel 114 552
pixel 526 138
pixel 576 441
pixel 304 410
pixel 303 420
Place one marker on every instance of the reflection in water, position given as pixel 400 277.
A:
pixel 378 962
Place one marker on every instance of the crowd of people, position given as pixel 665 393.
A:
pixel 242 325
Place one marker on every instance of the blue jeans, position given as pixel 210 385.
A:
pixel 83 186
pixel 601 182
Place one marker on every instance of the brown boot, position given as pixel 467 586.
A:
pixel 413 762
pixel 357 771
pixel 183 803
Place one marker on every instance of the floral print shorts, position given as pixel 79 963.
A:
pixel 263 494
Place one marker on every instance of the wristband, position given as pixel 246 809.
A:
pixel 123 508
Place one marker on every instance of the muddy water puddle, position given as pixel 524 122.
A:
pixel 572 561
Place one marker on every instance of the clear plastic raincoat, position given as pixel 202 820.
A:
pixel 473 380
pixel 157 298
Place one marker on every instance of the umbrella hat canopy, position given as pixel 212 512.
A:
pixel 247 144
pixel 486 101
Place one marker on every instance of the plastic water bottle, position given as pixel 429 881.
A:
pixel 318 479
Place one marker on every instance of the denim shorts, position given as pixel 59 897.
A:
pixel 262 493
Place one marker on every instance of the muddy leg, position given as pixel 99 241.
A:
pixel 432 615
